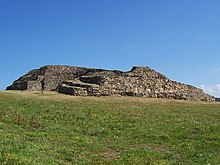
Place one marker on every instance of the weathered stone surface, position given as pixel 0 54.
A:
pixel 78 88
pixel 78 81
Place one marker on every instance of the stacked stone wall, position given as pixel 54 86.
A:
pixel 140 82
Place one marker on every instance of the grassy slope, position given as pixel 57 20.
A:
pixel 58 129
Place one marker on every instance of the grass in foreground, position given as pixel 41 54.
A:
pixel 58 129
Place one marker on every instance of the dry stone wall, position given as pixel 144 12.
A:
pixel 78 81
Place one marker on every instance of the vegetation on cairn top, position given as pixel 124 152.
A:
pixel 58 129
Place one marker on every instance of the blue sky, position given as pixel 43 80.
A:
pixel 180 39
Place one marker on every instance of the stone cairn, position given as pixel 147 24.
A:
pixel 79 81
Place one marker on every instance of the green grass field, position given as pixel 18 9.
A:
pixel 60 129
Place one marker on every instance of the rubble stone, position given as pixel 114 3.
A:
pixel 79 81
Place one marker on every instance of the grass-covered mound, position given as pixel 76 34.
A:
pixel 59 129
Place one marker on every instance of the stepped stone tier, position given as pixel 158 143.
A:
pixel 79 81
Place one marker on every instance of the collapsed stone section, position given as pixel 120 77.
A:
pixel 78 88
pixel 79 81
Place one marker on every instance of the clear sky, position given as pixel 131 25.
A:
pixel 178 38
